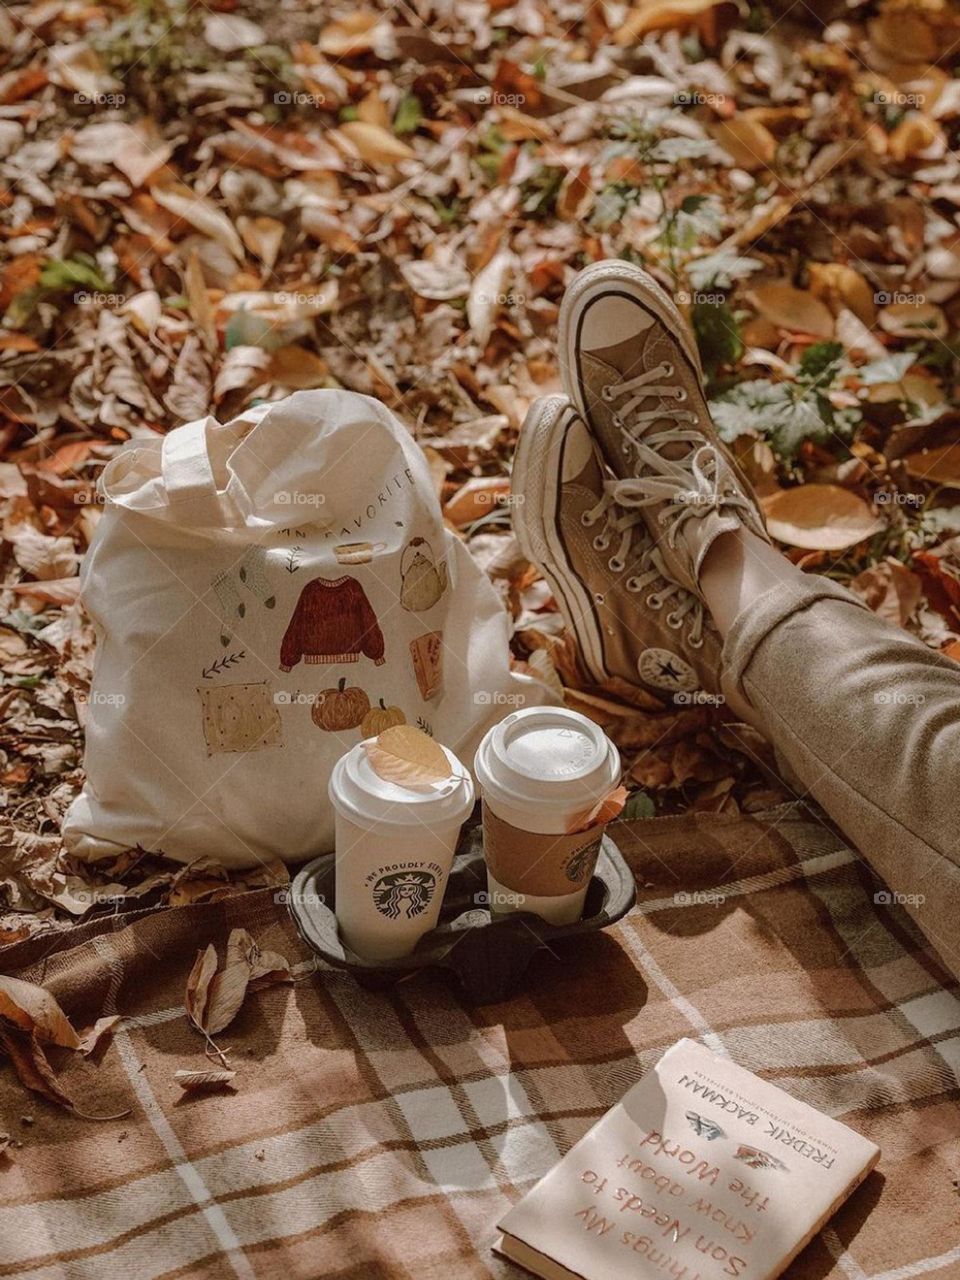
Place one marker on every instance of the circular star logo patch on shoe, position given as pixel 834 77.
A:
pixel 665 670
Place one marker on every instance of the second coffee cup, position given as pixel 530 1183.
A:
pixel 540 770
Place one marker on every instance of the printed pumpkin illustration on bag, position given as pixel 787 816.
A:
pixel 423 579
pixel 379 718
pixel 341 708
pixel 333 622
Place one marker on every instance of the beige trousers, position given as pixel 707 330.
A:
pixel 867 720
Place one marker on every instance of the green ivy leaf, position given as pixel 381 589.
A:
pixel 891 368
pixel 720 270
pixel 67 273
pixel 718 334
pixel 821 362
pixel 409 115
pixel 784 413
pixel 639 805
pixel 670 150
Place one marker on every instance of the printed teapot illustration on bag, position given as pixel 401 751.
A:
pixel 423 579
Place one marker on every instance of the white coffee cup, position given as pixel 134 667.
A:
pixel 538 770
pixel 394 849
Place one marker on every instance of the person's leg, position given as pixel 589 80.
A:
pixel 737 569
pixel 865 717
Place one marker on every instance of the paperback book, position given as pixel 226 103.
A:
pixel 702 1171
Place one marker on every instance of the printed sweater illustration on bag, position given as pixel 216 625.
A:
pixel 333 622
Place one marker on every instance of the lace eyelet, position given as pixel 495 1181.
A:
pixel 673 622
pixel 681 394
pixel 586 521
pixel 606 393
pixel 616 565
pixel 600 543
pixel 668 370
pixel 654 601
pixel 696 644
pixel 617 420
pixel 633 584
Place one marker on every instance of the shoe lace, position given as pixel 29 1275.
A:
pixel 636 550
pixel 696 486
pixel 633 421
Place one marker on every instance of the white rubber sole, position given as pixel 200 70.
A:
pixel 537 478
pixel 602 277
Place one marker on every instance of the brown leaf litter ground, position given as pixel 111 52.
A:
pixel 205 205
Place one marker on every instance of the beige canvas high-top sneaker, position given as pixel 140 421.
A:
pixel 602 566
pixel 630 366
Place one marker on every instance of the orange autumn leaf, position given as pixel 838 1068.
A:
pixel 604 811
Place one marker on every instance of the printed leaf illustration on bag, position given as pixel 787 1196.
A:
pixel 250 572
pixel 239 717
pixel 426 654
pixel 423 579
pixel 333 622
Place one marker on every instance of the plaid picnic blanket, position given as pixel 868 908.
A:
pixel 383 1135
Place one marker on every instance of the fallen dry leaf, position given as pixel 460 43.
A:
pixel 372 143
pixel 201 213
pixel 488 294
pixel 820 517
pixel 137 150
pixel 353 34
pixel 215 994
pixel 604 811
pixel 890 589
pixel 749 143
pixel 33 1009
pixel 90 1038
pixel 940 464
pixel 204 1079
pixel 198 985
pixel 44 557
pixel 478 497
pixel 796 310
pixel 228 987
pixel 35 1072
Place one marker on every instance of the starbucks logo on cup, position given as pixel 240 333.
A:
pixel 404 894
pixel 580 860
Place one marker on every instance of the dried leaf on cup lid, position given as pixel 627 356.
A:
pixel 604 811
pixel 408 756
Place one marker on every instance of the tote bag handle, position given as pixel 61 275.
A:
pixel 186 470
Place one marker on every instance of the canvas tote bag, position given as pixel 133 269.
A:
pixel 266 593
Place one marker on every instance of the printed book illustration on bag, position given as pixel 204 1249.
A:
pixel 426 653
pixel 333 622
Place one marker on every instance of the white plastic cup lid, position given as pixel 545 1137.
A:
pixel 359 793
pixel 545 757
